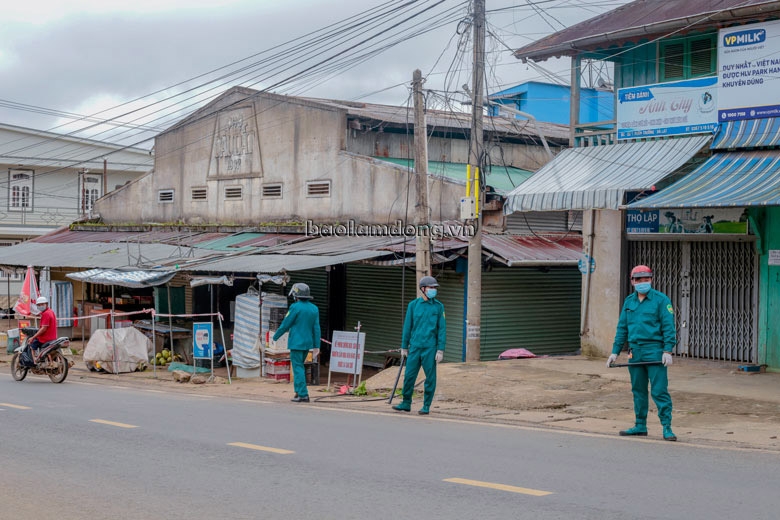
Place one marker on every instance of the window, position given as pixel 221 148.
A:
pixel 318 189
pixel 165 196
pixel 200 193
pixel 20 190
pixel 688 58
pixel 234 192
pixel 272 191
pixel 91 190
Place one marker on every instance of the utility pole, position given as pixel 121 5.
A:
pixel 422 212
pixel 474 302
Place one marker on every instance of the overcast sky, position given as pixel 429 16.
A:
pixel 84 56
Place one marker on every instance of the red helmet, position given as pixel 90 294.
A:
pixel 641 271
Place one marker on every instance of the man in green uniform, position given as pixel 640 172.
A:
pixel 647 324
pixel 303 322
pixel 422 343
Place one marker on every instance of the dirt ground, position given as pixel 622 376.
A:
pixel 714 404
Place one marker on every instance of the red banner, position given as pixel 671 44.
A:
pixel 25 305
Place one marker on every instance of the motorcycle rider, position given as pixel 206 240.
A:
pixel 48 330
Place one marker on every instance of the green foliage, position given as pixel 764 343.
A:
pixel 361 389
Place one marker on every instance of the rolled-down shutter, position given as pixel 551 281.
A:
pixel 533 308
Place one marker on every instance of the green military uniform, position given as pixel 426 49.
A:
pixel 425 332
pixel 648 327
pixel 303 322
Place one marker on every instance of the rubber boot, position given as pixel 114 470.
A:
pixel 639 430
pixel 424 410
pixel 669 434
pixel 403 406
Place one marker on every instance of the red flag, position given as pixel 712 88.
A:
pixel 25 305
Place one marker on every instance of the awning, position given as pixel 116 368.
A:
pixel 528 251
pixel 750 133
pixel 736 179
pixel 134 279
pixel 597 177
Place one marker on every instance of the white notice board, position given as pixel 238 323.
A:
pixel 346 352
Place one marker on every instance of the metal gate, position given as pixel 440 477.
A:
pixel 713 287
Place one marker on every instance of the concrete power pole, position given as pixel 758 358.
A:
pixel 474 303
pixel 422 212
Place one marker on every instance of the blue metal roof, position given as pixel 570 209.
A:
pixel 597 177
pixel 749 133
pixel 735 179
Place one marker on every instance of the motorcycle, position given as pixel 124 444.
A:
pixel 48 360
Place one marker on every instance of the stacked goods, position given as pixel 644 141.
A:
pixel 162 358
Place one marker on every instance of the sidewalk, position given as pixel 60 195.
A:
pixel 714 403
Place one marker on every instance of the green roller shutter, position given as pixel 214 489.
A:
pixel 374 298
pixel 317 280
pixel 451 294
pixel 535 309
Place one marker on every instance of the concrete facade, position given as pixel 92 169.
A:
pixel 259 159
pixel 603 299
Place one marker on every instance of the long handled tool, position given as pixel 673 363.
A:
pixel 400 369
pixel 638 363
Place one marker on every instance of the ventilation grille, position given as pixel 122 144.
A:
pixel 234 193
pixel 200 193
pixel 318 189
pixel 272 191
pixel 165 196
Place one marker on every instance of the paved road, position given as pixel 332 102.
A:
pixel 84 451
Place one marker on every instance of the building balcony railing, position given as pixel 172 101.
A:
pixel 595 134
pixel 39 216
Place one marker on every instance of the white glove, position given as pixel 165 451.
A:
pixel 667 359
pixel 439 355
pixel 315 353
pixel 404 352
pixel 612 358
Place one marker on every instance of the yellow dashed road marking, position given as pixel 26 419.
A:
pixel 500 487
pixel 112 423
pixel 18 407
pixel 260 448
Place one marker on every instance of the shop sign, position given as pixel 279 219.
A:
pixel 748 71
pixel 687 220
pixel 346 352
pixel 675 108
pixel 201 340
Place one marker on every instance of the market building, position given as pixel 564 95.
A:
pixel 685 179
pixel 257 184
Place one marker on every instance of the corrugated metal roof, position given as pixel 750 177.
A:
pixel 271 263
pixel 440 119
pixel 503 178
pixel 517 251
pixel 230 242
pixel 597 177
pixel 95 255
pixel 65 235
pixel 736 179
pixel 751 133
pixel 335 245
pixel 644 19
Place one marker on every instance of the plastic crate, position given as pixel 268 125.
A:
pixel 278 377
pixel 274 367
